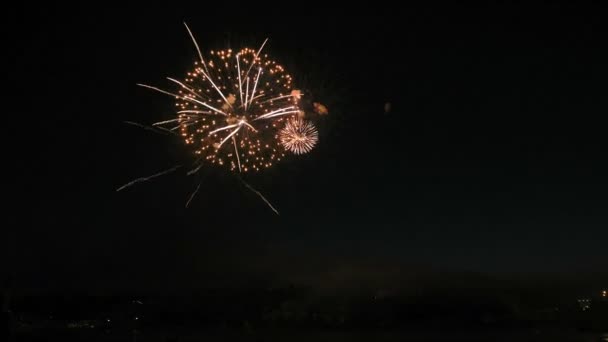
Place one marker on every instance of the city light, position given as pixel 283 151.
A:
pixel 585 304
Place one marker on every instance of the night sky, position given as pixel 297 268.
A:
pixel 492 160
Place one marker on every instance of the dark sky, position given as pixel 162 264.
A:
pixel 492 160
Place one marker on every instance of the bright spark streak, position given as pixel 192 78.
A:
pixel 276 98
pixel 196 112
pixel 167 130
pixel 144 179
pixel 223 128
pixel 200 55
pixel 236 151
pixel 246 93
pixel 277 112
pixel 257 78
pixel 257 97
pixel 184 125
pixel 167 121
pixel 195 100
pixel 193 194
pixel 238 66
pixel 211 107
pixel 248 125
pixel 184 86
pixel 216 88
pixel 229 135
pixel 260 49
pixel 259 194
pixel 205 65
pixel 149 128
pixel 182 97
pixel 160 90
pixel 256 56
pixel 195 170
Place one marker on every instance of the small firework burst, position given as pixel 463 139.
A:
pixel 299 136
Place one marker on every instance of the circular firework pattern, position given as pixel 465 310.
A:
pixel 298 136
pixel 231 105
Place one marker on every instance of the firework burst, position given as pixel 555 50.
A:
pixel 238 110
pixel 298 136
pixel 230 107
